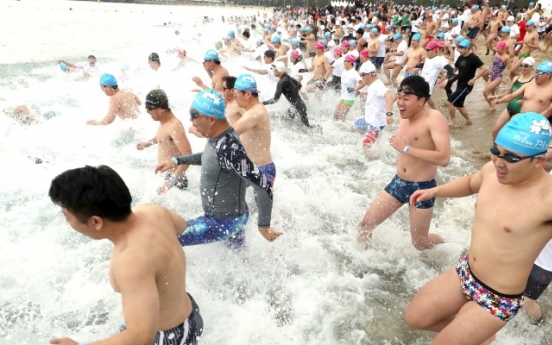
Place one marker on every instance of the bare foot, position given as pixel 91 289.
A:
pixel 387 83
pixel 468 123
pixel 451 123
pixel 491 110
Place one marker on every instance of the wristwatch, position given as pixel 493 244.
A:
pixel 389 113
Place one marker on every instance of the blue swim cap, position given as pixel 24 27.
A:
pixel 528 134
pixel 210 103
pixel 464 44
pixel 374 30
pixel 294 41
pixel 369 27
pixel 505 29
pixel 455 20
pixel 265 30
pixel 352 43
pixel 276 39
pixel 475 7
pixel 63 67
pixel 545 66
pixel 231 33
pixel 416 37
pixel 228 38
pixel 530 23
pixel 108 80
pixel 388 28
pixel 397 36
pixel 327 34
pixel 531 3
pixel 459 38
pixel 246 82
pixel 308 29
pixel 324 41
pixel 441 35
pixel 211 55
pixel 260 41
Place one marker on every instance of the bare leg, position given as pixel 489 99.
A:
pixel 386 69
pixel 500 122
pixel 420 220
pixel 452 112
pixel 490 88
pixel 341 111
pixel 383 206
pixel 532 308
pixel 396 72
pixel 431 103
pixel 464 112
pixel 515 67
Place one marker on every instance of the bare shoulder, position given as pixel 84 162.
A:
pixel 436 118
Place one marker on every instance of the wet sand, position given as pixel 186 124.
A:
pixel 476 139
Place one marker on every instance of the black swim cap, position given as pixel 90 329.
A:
pixel 154 57
pixel 270 54
pixel 157 98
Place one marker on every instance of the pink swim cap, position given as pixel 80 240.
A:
pixel 295 54
pixel 501 45
pixel 365 53
pixel 345 44
pixel 350 58
pixel 338 50
pixel 319 45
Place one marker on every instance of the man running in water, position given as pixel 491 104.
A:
pixel 148 266
pixel 121 103
pixel 226 170
pixel 469 303
pixel 289 87
pixel 211 64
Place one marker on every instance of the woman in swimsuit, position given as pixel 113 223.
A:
pixel 500 62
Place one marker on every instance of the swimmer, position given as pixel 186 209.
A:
pixel 211 64
pixel 170 137
pixel 468 304
pixel 88 68
pixel 226 170
pixel 423 143
pixel 121 103
pixel 157 309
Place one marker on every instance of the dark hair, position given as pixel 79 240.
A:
pixel 246 34
pixel 418 85
pixel 91 57
pixel 230 81
pixel 154 57
pixel 92 191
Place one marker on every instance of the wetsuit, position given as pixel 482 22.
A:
pixel 225 173
pixel 289 87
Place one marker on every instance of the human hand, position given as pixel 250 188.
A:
pixel 197 81
pixel 142 145
pixel 421 195
pixel 389 119
pixel 193 130
pixel 92 122
pixel 269 233
pixel 398 143
pixel 63 341
pixel 164 166
pixel 471 82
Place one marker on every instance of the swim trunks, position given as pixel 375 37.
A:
pixel 269 171
pixel 522 56
pixel 372 135
pixel 180 182
pixel 410 74
pixel 312 54
pixel 207 229
pixel 360 124
pixel 402 190
pixel 503 307
pixel 349 102
pixel 538 281
pixel 187 333
pixel 459 96
pixel 318 83
pixel 472 32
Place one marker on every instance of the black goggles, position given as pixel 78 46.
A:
pixel 509 157
pixel 194 114
pixel 408 92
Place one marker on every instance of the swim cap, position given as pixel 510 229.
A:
pixel 269 53
pixel 211 55
pixel 441 35
pixel 338 50
pixel 327 34
pixel 276 39
pixel 265 30
pixel 365 53
pixel 294 41
pixel 63 67
pixel 231 33
pixel 459 38
pixel 397 36
pixel 531 3
pixel 108 80
pixel 279 66
pixel 530 23
pixel 501 45
pixel 388 28
pixel 350 58
pixel 528 134
pixel 369 27
pixel 308 29
pixel 416 37
pixel 228 38
pixel 464 44
pixel 475 7
pixel 345 44
pixel 367 67
pixel 246 82
pixel 154 57
pixel 545 66
pixel 455 20
pixel 319 45
pixel 210 103
pixel 510 19
pixel 157 98
pixel 352 43
pixel 260 41
pixel 432 45
pixel 295 54
pixel 505 29
pixel 528 61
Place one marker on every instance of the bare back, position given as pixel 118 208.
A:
pixel 172 141
pixel 125 104
pixel 151 247
pixel 216 78
pixel 509 231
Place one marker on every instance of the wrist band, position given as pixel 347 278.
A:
pixel 175 160
pixel 405 150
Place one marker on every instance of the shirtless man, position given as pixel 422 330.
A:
pixel 322 69
pixel 399 51
pixel 170 137
pixel 415 55
pixel 281 50
pixel 492 32
pixel 373 45
pixel 97 203
pixel 474 24
pixel 253 126
pixel 121 103
pixel 468 304
pixel 211 63
pixel 530 43
pixel 537 95
pixel 423 143
pixel 310 40
pixel 88 68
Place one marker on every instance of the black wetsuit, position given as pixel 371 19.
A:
pixel 289 87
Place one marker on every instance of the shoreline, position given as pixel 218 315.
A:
pixel 179 4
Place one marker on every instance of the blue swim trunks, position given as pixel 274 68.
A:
pixel 269 171
pixel 402 190
pixel 207 229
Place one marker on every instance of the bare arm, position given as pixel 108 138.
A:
pixel 179 223
pixel 511 96
pixel 328 69
pixel 181 141
pixel 246 122
pixel 109 118
pixel 138 101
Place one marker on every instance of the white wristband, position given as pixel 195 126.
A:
pixel 405 150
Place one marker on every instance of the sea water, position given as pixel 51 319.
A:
pixel 313 285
